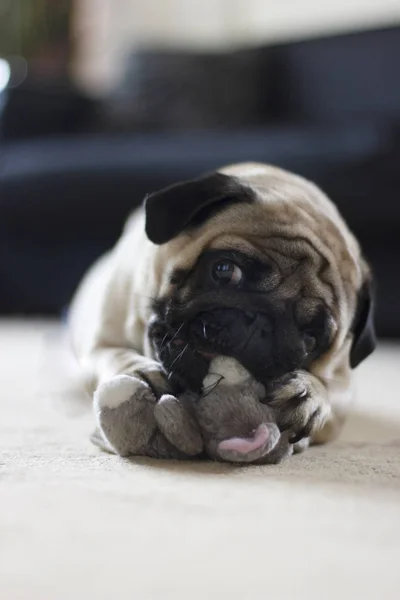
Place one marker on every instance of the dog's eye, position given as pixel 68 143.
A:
pixel 309 341
pixel 226 272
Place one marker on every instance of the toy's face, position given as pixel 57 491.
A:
pixel 235 425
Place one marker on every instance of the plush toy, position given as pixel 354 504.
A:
pixel 227 422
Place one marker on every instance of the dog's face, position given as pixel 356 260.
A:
pixel 260 267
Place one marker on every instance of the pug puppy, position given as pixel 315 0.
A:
pixel 250 262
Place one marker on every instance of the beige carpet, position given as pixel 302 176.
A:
pixel 79 524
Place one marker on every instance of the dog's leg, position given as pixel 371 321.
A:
pixel 314 406
pixel 108 337
pixel 301 406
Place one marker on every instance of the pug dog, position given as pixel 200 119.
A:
pixel 250 262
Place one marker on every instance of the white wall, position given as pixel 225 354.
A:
pixel 106 28
pixel 259 20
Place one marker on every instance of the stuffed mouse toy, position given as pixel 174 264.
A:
pixel 227 422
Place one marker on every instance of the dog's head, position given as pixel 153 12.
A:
pixel 258 265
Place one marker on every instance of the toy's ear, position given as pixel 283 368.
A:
pixel 173 209
pixel 364 338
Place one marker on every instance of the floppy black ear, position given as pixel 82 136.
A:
pixel 364 339
pixel 173 209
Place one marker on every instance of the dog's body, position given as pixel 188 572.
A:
pixel 251 262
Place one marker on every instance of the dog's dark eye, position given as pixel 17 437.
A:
pixel 310 342
pixel 226 272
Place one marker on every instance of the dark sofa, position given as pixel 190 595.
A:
pixel 328 109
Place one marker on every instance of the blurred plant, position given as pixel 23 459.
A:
pixel 28 26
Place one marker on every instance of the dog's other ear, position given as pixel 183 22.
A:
pixel 364 338
pixel 173 209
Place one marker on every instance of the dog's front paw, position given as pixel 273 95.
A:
pixel 124 409
pixel 301 406
pixel 155 378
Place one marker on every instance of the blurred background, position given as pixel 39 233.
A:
pixel 102 101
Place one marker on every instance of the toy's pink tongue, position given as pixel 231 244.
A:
pixel 246 445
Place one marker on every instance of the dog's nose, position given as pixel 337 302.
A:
pixel 260 324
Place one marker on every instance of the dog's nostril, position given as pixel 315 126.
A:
pixel 250 317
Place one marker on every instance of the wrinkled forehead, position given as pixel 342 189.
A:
pixel 294 229
pixel 308 248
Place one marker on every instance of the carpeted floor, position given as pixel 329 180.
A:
pixel 76 523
